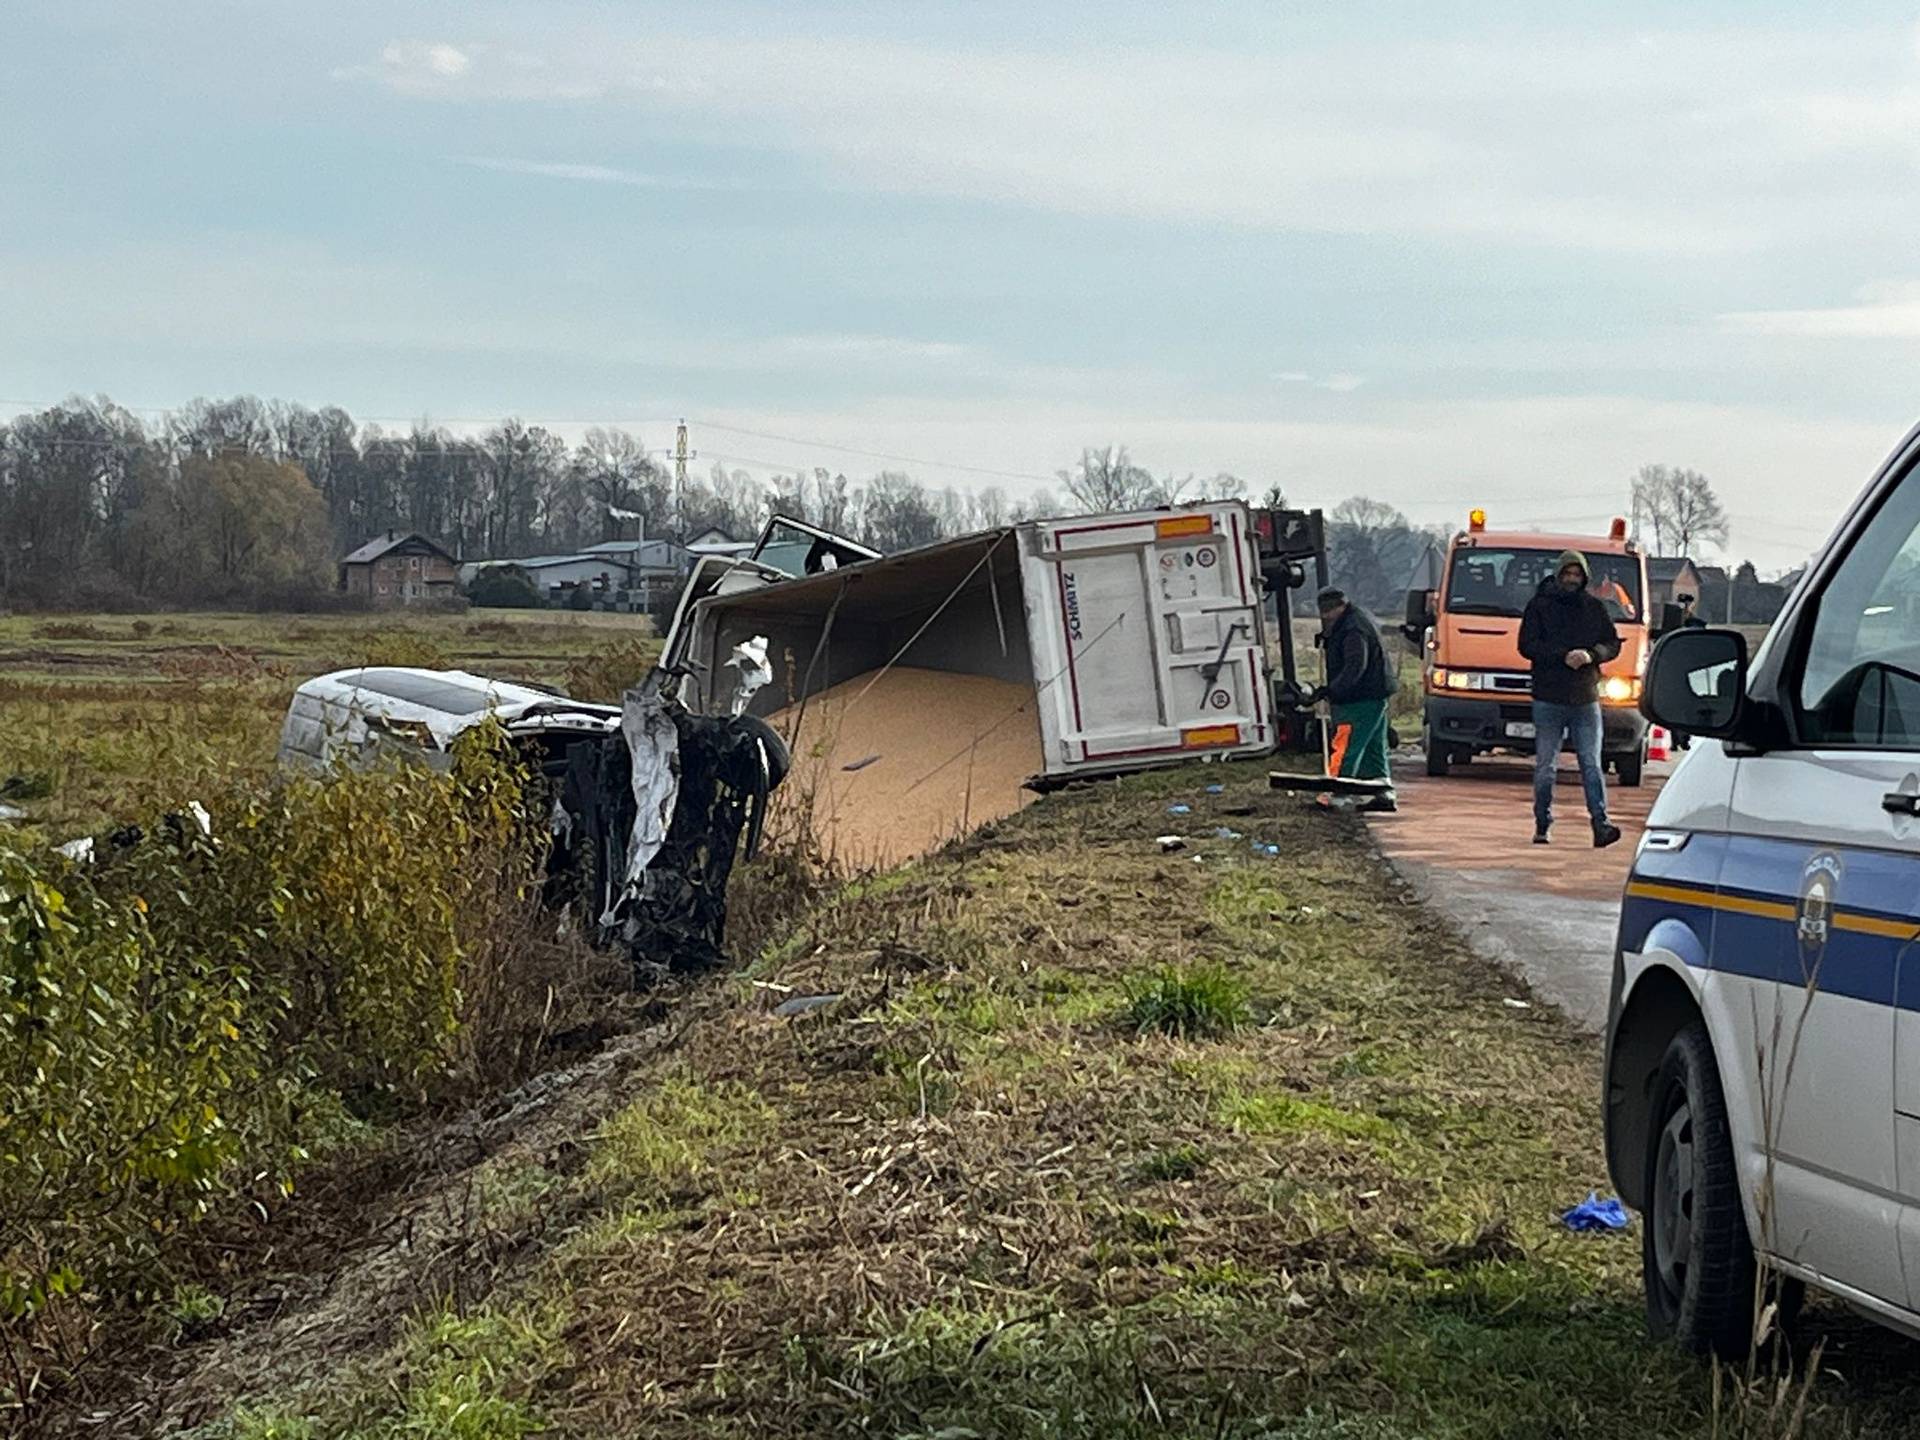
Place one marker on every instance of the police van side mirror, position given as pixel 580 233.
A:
pixel 1697 682
pixel 1419 615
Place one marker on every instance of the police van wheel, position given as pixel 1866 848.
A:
pixel 1696 1256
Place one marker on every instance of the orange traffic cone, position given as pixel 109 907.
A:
pixel 1659 744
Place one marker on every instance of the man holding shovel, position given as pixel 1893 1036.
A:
pixel 1359 680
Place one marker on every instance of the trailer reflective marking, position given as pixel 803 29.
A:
pixel 1202 737
pixel 1181 526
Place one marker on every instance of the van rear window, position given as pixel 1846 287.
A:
pixel 1501 582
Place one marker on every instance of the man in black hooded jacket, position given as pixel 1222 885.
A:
pixel 1568 635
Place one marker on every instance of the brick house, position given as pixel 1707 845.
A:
pixel 399 568
pixel 1674 580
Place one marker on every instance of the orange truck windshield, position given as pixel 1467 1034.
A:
pixel 1500 582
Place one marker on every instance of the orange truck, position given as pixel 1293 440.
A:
pixel 1477 688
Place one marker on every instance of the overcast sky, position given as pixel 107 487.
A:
pixel 1440 254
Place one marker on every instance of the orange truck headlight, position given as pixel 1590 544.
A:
pixel 1619 690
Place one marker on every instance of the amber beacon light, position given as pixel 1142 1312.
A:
pixel 1476 520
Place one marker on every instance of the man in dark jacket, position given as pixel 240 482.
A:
pixel 1359 680
pixel 1568 636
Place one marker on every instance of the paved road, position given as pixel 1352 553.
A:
pixel 1545 912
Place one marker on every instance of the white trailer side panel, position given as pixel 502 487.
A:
pixel 1148 637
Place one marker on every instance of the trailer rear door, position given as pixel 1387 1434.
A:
pixel 1149 637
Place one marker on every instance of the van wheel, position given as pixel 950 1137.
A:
pixel 1697 1259
pixel 1629 767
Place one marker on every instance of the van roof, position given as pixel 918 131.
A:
pixel 1545 540
pixel 450 701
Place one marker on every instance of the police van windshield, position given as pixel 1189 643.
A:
pixel 1500 582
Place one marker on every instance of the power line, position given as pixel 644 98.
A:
pixel 879 454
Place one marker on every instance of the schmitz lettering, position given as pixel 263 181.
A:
pixel 1071 593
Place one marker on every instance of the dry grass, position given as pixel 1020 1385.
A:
pixel 966 1198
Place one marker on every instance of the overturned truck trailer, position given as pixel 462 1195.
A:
pixel 1140 638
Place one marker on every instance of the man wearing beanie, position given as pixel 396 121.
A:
pixel 1568 636
pixel 1359 680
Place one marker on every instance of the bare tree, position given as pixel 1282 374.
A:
pixel 1107 479
pixel 832 502
pixel 1374 551
pixel 1679 506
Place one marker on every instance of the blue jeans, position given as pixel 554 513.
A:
pixel 1552 724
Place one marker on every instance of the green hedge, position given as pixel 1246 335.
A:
pixel 177 1018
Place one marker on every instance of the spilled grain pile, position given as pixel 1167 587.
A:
pixel 896 765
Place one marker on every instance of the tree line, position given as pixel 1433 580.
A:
pixel 252 502
pixel 243 501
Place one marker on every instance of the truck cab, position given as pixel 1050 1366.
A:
pixel 1477 687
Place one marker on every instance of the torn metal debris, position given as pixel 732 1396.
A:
pixel 648 804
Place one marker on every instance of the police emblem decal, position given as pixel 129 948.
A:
pixel 1819 884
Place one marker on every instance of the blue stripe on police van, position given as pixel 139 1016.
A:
pixel 1749 921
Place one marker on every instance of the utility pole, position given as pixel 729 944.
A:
pixel 681 454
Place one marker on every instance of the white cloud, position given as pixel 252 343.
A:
pixel 591 173
pixel 230 292
pixel 447 60
pixel 1340 382
pixel 1700 141
pixel 1887 310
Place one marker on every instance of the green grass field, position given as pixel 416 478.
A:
pixel 100 713
pixel 1091 1140
pixel 1087 1140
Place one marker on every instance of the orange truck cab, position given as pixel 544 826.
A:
pixel 1477 687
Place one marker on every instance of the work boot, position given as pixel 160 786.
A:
pixel 1540 836
pixel 1381 805
pixel 1605 833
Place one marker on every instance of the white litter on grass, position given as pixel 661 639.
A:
pixel 12 812
pixel 1170 843
pixel 1513 1004
pixel 80 850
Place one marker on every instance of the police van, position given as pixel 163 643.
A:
pixel 1762 1083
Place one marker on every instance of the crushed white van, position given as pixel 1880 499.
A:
pixel 355 715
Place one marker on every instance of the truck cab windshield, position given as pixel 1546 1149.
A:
pixel 1501 582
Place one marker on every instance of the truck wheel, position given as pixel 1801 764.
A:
pixel 1438 754
pixel 1697 1259
pixel 1629 767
